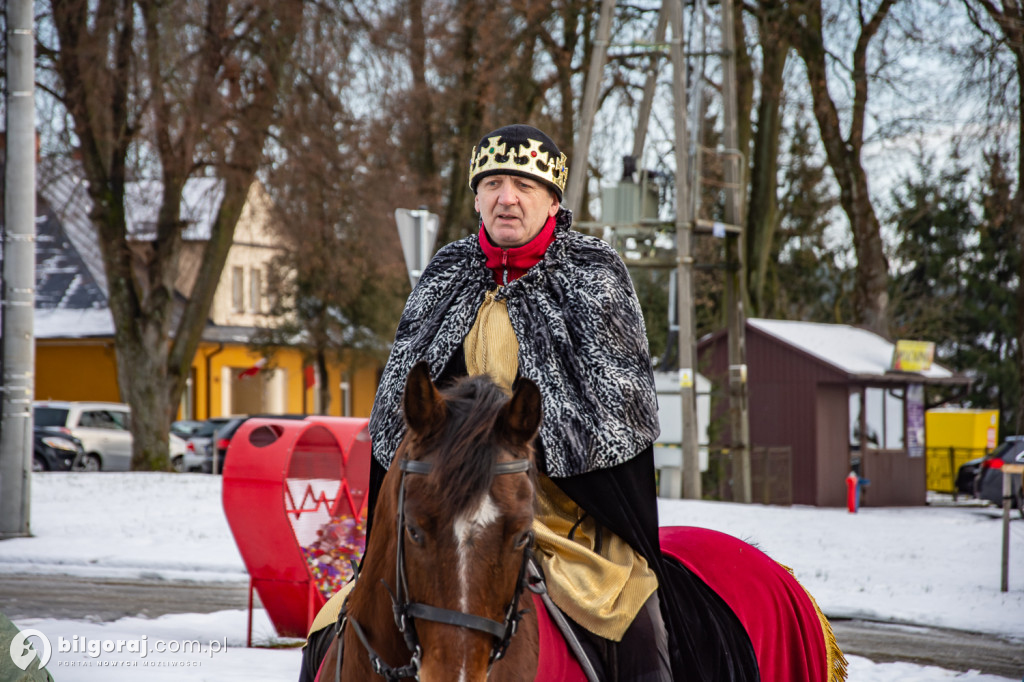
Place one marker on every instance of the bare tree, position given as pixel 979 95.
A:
pixel 1008 17
pixel 844 148
pixel 341 281
pixel 167 91
pixel 457 68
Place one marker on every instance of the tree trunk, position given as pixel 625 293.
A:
pixel 458 217
pixel 420 136
pixel 871 297
pixel 152 407
pixel 762 215
pixel 323 385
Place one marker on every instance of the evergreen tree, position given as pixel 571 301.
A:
pixel 935 223
pixel 955 279
pixel 806 278
pixel 990 353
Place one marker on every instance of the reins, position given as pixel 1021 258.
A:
pixel 406 612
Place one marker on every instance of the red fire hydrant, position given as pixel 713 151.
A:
pixel 854 485
pixel 852 492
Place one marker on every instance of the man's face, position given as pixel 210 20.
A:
pixel 514 209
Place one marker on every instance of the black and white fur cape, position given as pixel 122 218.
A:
pixel 581 339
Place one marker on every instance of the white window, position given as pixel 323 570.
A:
pixel 884 409
pixel 255 290
pixel 237 289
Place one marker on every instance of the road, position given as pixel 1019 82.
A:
pixel 949 649
pixel 107 599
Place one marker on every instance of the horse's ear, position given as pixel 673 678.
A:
pixel 518 420
pixel 422 403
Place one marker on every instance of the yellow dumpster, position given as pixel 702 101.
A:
pixel 954 436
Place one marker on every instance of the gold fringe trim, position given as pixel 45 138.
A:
pixel 835 661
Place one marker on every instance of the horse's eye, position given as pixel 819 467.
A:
pixel 524 539
pixel 414 533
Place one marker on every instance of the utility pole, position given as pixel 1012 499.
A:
pixel 684 258
pixel 18 294
pixel 671 14
pixel 735 277
pixel 576 188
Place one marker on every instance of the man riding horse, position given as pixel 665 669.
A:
pixel 530 297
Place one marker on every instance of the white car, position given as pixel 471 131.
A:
pixel 102 427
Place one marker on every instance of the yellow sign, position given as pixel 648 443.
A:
pixel 913 356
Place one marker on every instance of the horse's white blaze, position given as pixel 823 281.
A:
pixel 469 523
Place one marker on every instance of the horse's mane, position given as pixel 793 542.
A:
pixel 466 448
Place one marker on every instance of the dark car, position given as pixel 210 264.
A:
pixel 967 476
pixel 55 451
pixel 197 447
pixel 184 428
pixel 225 433
pixel 989 482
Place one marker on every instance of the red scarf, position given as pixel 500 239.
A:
pixel 516 261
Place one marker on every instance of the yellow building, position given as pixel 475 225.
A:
pixel 75 357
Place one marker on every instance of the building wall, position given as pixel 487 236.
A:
pixel 783 395
pixel 284 374
pixel 87 370
pixel 832 444
pixel 896 479
pixel 76 370
pixel 783 410
pixel 255 244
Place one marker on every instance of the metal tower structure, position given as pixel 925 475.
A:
pixel 686 224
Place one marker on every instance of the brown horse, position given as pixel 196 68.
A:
pixel 461 488
pixel 441 596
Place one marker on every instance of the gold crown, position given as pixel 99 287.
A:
pixel 528 159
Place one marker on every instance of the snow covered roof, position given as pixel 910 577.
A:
pixel 200 199
pixel 93 323
pixel 64 189
pixel 849 349
pixel 66 194
pixel 62 278
pixel 70 323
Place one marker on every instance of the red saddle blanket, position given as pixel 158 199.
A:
pixel 555 661
pixel 779 616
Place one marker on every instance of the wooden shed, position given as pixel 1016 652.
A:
pixel 827 393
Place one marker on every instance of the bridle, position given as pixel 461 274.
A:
pixel 407 611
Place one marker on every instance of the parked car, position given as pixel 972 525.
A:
pixel 184 428
pixel 225 433
pixel 55 451
pixel 967 476
pixel 102 427
pixel 989 482
pixel 197 453
pixel 176 448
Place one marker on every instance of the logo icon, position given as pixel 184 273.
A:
pixel 22 652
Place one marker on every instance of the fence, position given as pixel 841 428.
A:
pixel 771 475
pixel 943 465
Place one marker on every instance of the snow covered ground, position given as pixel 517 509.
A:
pixel 938 565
